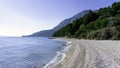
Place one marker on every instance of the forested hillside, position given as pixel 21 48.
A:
pixel 101 24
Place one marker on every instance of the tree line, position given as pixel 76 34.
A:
pixel 100 24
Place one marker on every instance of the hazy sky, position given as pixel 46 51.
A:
pixel 23 17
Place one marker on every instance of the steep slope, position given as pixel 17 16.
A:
pixel 49 33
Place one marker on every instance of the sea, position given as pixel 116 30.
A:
pixel 28 52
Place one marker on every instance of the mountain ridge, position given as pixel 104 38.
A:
pixel 50 32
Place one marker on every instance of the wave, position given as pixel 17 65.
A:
pixel 59 57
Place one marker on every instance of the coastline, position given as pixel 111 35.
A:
pixel 91 54
pixel 69 52
pixel 60 54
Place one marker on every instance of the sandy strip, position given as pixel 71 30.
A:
pixel 91 54
pixel 57 59
pixel 60 55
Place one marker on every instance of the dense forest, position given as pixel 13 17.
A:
pixel 100 24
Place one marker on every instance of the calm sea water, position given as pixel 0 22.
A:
pixel 27 52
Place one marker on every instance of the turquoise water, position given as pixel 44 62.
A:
pixel 27 52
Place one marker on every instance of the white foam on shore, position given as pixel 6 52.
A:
pixel 55 60
pixel 68 46
pixel 59 57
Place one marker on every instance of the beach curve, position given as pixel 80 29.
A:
pixel 91 54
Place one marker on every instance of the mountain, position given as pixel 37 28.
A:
pixel 101 24
pixel 49 33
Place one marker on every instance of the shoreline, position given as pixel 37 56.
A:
pixel 70 53
pixel 60 54
pixel 90 54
